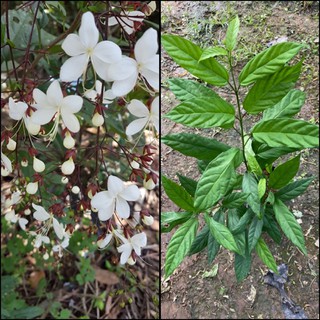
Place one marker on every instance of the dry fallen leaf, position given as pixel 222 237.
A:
pixel 35 278
pixel 105 276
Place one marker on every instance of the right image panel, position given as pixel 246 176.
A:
pixel 239 159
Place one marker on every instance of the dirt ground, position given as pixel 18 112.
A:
pixel 186 294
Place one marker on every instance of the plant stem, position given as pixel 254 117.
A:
pixel 236 91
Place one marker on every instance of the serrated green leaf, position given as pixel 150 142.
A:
pixel 222 234
pixel 268 62
pixel 234 200
pixel 203 113
pixel 254 232
pixel 216 180
pixel 200 242
pixel 266 256
pixel 283 173
pixel 290 133
pixel 293 189
pixel 268 91
pixel 177 194
pixel 171 219
pixel 213 52
pixel 289 106
pixel 289 224
pixel 186 54
pixel 243 222
pixel 250 186
pixel 271 227
pixel 232 33
pixel 190 185
pixel 185 89
pixel 262 187
pixel 180 245
pixel 193 145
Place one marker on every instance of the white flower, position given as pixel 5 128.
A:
pixel 11 145
pixel 127 22
pixel 38 165
pixel 115 199
pixel 134 243
pixel 32 187
pixel 68 141
pixel 97 120
pixel 92 94
pixel 104 241
pixel 125 72
pixel 62 245
pixel 17 111
pixel 52 103
pixel 5 162
pixel 42 215
pixel 12 217
pixel 39 239
pixel 138 109
pixel 68 166
pixel 85 47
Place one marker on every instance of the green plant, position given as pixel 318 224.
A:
pixel 241 193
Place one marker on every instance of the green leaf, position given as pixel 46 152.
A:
pixel 283 173
pixel 202 165
pixel 213 244
pixel 266 152
pixel 242 265
pixel 232 33
pixel 203 113
pixel 240 238
pixel 213 52
pixel 287 133
pixel 177 194
pixel 271 226
pixel 253 164
pixel 28 313
pixel 254 232
pixel 193 145
pixel 268 62
pixel 189 184
pixel 187 89
pixel 289 224
pixel 200 242
pixel 250 186
pixel 235 200
pixel 180 245
pixel 186 54
pixel 270 90
pixel 266 256
pixel 171 219
pixel 221 233
pixel 289 106
pixel 262 187
pixel 216 180
pixel 293 189
pixel 243 222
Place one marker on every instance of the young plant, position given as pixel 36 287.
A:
pixel 241 193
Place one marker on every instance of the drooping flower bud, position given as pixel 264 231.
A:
pixel 11 145
pixel 75 189
pixel 4 172
pixel 32 187
pixel 146 218
pixel 68 141
pixel 68 167
pixel 134 164
pixel 97 120
pixel 64 180
pixel 149 184
pixel 38 165
pixel 24 162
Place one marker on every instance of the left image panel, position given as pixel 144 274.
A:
pixel 80 159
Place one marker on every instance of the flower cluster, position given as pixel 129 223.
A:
pixel 59 114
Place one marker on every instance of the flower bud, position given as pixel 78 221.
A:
pixel 135 164
pixel 97 120
pixel 11 145
pixel 27 212
pixel 68 141
pixel 4 172
pixel 64 180
pixel 149 184
pixel 38 165
pixel 148 220
pixel 24 162
pixel 32 187
pixel 131 261
pixel 46 256
pixel 68 166
pixel 75 189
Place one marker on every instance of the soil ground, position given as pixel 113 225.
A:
pixel 186 294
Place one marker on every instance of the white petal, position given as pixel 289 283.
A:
pixel 40 214
pixel 136 126
pixel 122 87
pixel 56 248
pixel 106 212
pixel 107 51
pixel 91 94
pixel 134 14
pixel 119 234
pixel 115 185
pixel 45 239
pixel 139 240
pixel 72 104
pixel 155 106
pixel 6 162
pixel 38 241
pixel 73 68
pixel 58 228
pixel 101 68
pixel 101 199
pixel 130 193
pixel 146 46
pixel 127 25
pixel 98 86
pixel 138 109
pixel 43 116
pixel 151 77
pixel 16 110
pixel 112 21
pixel 122 208
pixel 54 94
pixel 10 216
pixel 33 128
pixel 41 99
pixel 73 46
pixel 65 242
pixel 126 252
pixel 22 223
pixel 123 69
pixel 70 121
pixel 88 31
pixel 152 64
pixel 156 122
pixel 68 166
pixel 105 241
